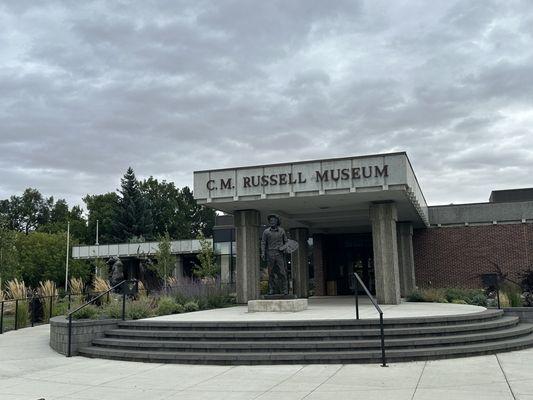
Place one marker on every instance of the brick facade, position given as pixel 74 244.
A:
pixel 457 256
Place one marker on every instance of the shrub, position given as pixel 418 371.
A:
pixel 60 307
pixel 113 309
pixel 415 296
pixel 87 312
pixel 166 305
pixel 435 295
pixel 479 299
pixel 263 287
pixel 218 301
pixel 458 301
pixel 191 306
pixel 451 295
pixel 138 309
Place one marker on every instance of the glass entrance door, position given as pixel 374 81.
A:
pixel 345 254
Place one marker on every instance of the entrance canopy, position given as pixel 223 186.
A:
pixel 332 195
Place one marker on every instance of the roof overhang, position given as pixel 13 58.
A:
pixel 329 195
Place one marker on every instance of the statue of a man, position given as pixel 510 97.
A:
pixel 273 243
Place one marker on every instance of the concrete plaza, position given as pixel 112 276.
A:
pixel 29 369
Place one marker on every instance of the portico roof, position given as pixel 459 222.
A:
pixel 330 195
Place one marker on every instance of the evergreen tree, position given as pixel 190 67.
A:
pixel 134 219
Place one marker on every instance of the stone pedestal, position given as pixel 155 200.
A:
pixel 299 262
pixel 406 263
pixel 385 243
pixel 287 305
pixel 247 224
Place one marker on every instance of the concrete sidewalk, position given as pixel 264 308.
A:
pixel 29 369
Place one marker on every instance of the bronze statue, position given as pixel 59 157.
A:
pixel 117 270
pixel 273 244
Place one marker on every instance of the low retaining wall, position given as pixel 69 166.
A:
pixel 83 332
pixel 524 313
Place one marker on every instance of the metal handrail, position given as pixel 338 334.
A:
pixel 69 315
pixel 378 308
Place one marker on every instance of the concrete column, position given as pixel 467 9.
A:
pixel 247 224
pixel 178 268
pixel 318 265
pixel 299 262
pixel 383 217
pixel 224 268
pixel 406 263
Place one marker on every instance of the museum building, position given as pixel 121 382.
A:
pixel 365 214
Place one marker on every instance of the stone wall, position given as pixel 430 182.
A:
pixel 524 313
pixel 83 332
pixel 457 256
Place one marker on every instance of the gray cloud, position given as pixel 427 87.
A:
pixel 89 88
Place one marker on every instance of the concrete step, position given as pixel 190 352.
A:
pixel 148 324
pixel 311 345
pixel 324 334
pixel 356 356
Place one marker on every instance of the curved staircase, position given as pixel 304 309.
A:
pixel 312 341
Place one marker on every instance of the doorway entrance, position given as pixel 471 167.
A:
pixel 345 254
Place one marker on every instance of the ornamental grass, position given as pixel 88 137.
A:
pixel 17 290
pixel 100 286
pixel 76 290
pixel 48 292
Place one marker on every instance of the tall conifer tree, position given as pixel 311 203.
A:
pixel 134 213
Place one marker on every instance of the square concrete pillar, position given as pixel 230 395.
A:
pixel 406 262
pixel 383 217
pixel 178 268
pixel 318 265
pixel 299 262
pixel 225 260
pixel 247 224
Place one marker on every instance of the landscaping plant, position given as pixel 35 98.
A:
pixel 100 286
pixel 17 290
pixel 48 292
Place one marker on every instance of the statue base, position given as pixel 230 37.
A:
pixel 277 305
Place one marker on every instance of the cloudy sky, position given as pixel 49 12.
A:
pixel 88 88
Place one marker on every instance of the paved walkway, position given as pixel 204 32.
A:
pixel 334 307
pixel 29 369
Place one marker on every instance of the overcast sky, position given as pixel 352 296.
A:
pixel 88 88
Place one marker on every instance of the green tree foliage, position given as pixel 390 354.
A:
pixel 208 267
pixel 134 219
pixel 8 255
pixel 163 198
pixel 32 212
pixel 25 213
pixel 165 260
pixel 42 256
pixel 104 208
pixel 198 220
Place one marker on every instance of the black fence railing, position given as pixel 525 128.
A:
pixel 29 311
pixel 357 282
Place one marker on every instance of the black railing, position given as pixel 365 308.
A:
pixel 357 282
pixel 124 293
pixel 32 314
pixel 33 308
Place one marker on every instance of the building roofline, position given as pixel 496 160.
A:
pixel 480 203
pixel 308 161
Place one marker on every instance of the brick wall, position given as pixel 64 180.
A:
pixel 457 256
